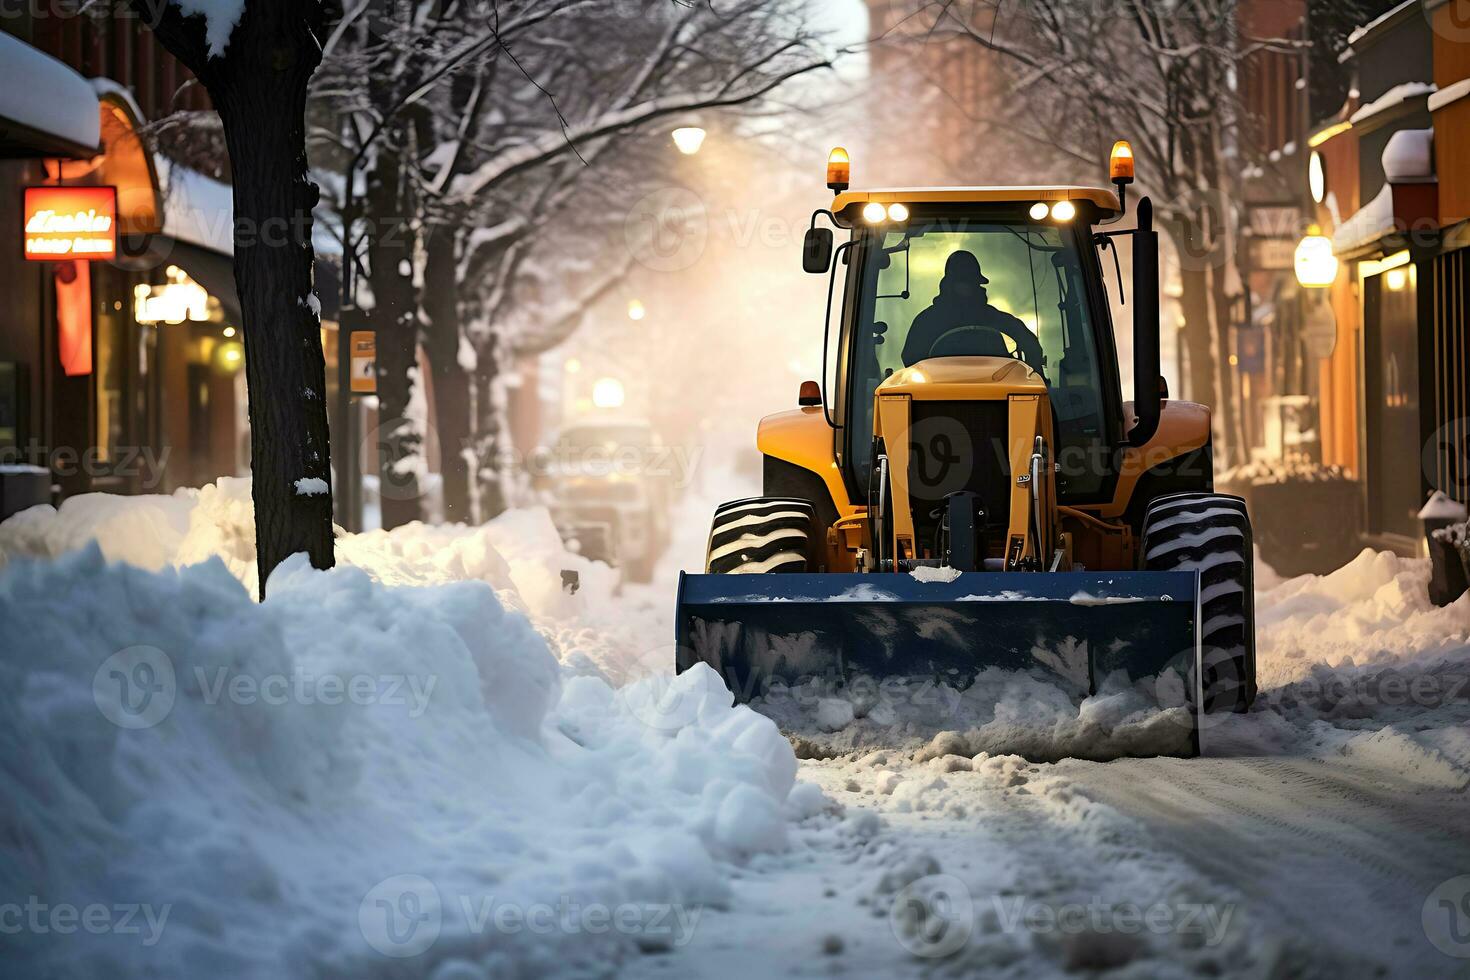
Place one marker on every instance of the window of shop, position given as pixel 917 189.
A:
pixel 125 393
pixel 1391 401
pixel 1447 386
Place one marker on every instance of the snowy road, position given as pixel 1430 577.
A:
pixel 1311 840
pixel 1295 835
pixel 1288 867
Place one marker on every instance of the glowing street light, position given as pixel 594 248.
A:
pixel 1316 266
pixel 688 139
pixel 636 309
pixel 608 393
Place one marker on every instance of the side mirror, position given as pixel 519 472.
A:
pixel 816 250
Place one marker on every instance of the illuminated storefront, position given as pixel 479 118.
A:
pixel 121 346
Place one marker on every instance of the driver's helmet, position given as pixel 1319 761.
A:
pixel 962 275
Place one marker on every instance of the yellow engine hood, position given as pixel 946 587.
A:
pixel 963 378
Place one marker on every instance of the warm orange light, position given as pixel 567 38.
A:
pixel 839 170
pixel 70 223
pixel 1120 163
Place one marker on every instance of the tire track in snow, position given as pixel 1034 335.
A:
pixel 1345 856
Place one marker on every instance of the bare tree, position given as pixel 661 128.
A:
pixel 496 116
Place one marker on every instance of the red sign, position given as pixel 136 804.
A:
pixel 70 223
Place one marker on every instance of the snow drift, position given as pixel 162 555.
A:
pixel 519 554
pixel 353 778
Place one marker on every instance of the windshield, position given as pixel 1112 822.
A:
pixel 955 287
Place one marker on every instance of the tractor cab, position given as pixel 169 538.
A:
pixel 982 272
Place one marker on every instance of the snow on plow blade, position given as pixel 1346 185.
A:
pixel 1083 632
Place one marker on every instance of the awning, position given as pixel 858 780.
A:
pixel 196 209
pixel 46 109
pixel 213 271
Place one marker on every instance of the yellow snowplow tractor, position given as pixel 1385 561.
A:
pixel 967 487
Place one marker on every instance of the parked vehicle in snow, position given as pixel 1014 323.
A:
pixel 609 486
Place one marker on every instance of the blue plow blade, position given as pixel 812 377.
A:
pixel 761 632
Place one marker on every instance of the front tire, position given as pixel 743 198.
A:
pixel 762 535
pixel 1211 533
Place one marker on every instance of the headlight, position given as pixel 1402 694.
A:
pixel 1063 211
pixel 874 213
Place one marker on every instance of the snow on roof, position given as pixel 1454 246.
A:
pixel 1394 96
pixel 197 209
pixel 1409 156
pixel 1372 222
pixel 118 91
pixel 1448 94
pixel 43 94
pixel 1361 32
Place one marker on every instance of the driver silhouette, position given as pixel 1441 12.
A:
pixel 962 302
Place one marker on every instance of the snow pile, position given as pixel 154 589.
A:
pixel 1374 611
pixel 519 553
pixel 1025 713
pixel 1409 157
pixel 1293 468
pixel 350 779
pixel 1360 662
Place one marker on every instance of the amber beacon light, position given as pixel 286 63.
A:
pixel 839 170
pixel 1120 163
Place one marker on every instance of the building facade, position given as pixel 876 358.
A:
pixel 120 374
pixel 1394 200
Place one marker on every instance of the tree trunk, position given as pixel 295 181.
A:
pixel 442 339
pixel 490 452
pixel 259 89
pixel 397 443
pixel 1195 302
pixel 1227 410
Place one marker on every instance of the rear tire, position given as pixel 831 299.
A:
pixel 763 535
pixel 1211 532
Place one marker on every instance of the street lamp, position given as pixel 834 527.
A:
pixel 608 393
pixel 688 139
pixel 1316 266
